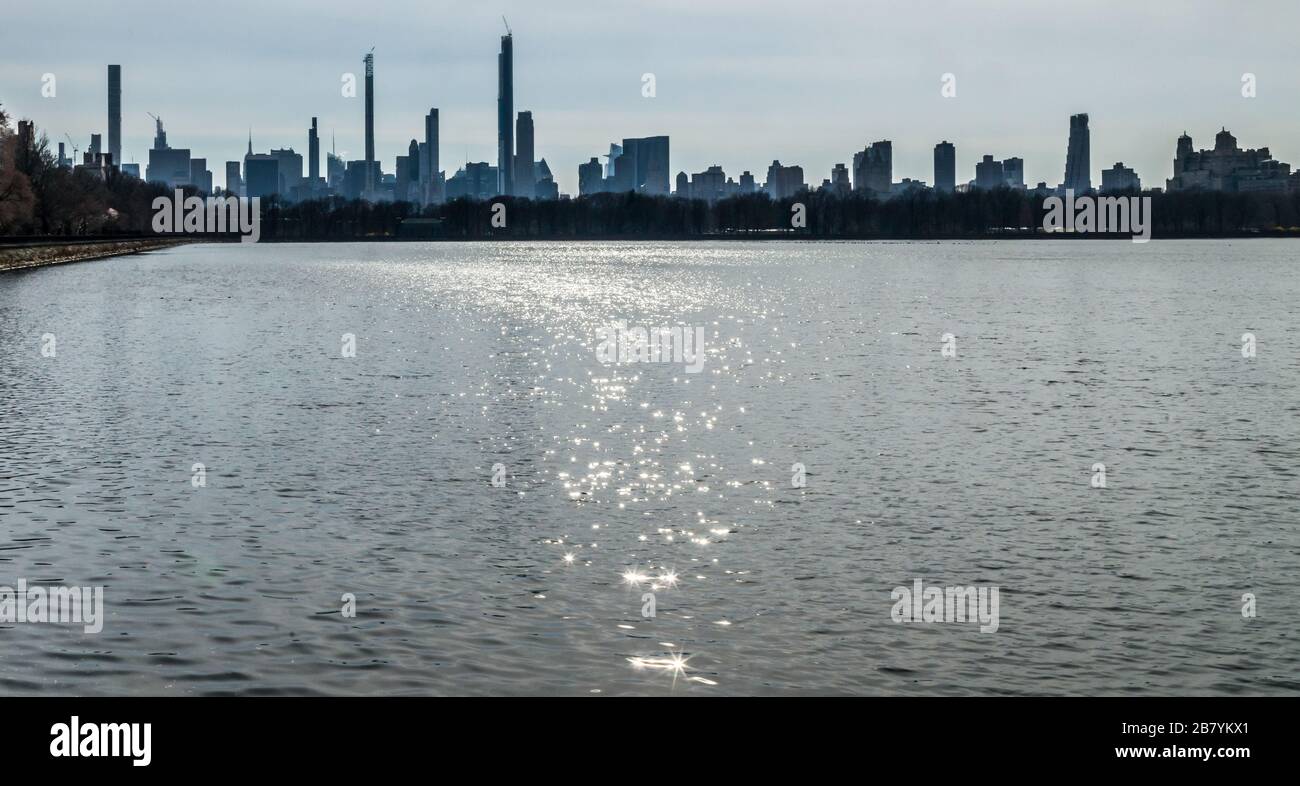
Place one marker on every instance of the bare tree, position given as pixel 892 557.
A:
pixel 16 198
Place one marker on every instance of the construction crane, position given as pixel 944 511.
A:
pixel 509 32
pixel 76 151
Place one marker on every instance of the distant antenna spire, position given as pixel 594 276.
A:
pixel 250 140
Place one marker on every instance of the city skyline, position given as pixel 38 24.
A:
pixel 971 120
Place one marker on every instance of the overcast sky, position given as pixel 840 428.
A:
pixel 737 83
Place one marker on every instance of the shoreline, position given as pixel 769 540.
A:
pixel 67 250
pixel 28 253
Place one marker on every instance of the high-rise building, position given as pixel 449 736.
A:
pixel 525 176
pixel 614 152
pixel 407 175
pixel 290 172
pixel 711 184
pixel 313 154
pixel 167 165
pixel 26 138
pixel 1077 163
pixel 945 167
pixel 544 185
pixel 1119 178
pixel 683 189
pixel 506 116
pixel 160 136
pixel 370 171
pixel 783 181
pixel 873 168
pixel 839 182
pixel 200 175
pixel 234 183
pixel 261 175
pixel 989 174
pixel 1013 172
pixel 115 113
pixel 429 165
pixel 355 176
pixel 477 180
pixel 335 170
pixel 642 166
pixel 591 178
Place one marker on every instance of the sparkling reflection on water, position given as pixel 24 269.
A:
pixel 372 475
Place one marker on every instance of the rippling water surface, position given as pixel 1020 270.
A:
pixel 372 475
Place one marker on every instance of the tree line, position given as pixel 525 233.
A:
pixel 813 214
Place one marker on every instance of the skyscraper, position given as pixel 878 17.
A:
pixel 840 182
pixel 408 174
pixel 506 116
pixel 261 175
pixel 989 174
pixel 234 182
pixel 313 155
pixel 783 181
pixel 544 185
pixel 525 177
pixel 591 178
pixel 1013 172
pixel 683 190
pixel 167 164
pixel 873 168
pixel 711 184
pixel 945 167
pixel 429 166
pixel 289 172
pixel 614 152
pixel 335 170
pixel 642 166
pixel 200 175
pixel 115 113
pixel 1077 163
pixel 370 183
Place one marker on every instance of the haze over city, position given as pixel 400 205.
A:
pixel 736 84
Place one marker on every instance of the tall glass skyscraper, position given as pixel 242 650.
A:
pixel 429 157
pixel 313 154
pixel 1077 161
pixel 370 123
pixel 115 114
pixel 506 116
pixel 525 177
pixel 945 167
